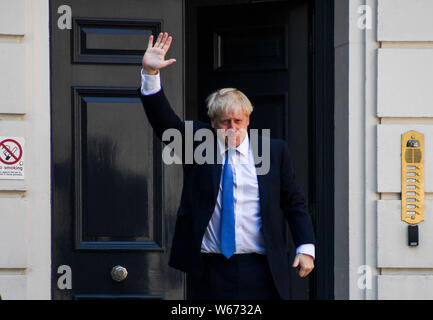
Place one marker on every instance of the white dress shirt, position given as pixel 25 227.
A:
pixel 248 222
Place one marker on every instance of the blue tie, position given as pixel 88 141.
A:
pixel 228 243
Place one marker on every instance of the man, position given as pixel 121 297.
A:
pixel 229 234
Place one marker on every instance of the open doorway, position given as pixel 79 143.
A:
pixel 269 50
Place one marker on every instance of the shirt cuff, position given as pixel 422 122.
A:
pixel 150 84
pixel 307 249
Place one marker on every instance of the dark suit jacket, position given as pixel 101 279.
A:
pixel 280 200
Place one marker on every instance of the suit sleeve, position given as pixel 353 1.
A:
pixel 293 202
pixel 160 114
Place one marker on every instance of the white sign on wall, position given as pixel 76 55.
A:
pixel 11 158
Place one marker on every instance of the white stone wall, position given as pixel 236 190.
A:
pixel 25 112
pixel 385 90
pixel 355 151
pixel 404 102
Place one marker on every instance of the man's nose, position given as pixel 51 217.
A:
pixel 232 125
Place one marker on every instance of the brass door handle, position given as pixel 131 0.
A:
pixel 119 273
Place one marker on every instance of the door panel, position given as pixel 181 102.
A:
pixel 263 50
pixel 112 204
pixel 108 179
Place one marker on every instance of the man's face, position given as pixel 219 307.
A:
pixel 233 127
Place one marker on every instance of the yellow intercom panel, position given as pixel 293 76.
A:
pixel 412 177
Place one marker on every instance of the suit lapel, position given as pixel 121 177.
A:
pixel 263 194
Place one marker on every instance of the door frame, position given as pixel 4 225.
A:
pixel 321 162
pixel 322 188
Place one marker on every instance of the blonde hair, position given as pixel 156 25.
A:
pixel 227 100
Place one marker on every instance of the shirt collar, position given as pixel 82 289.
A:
pixel 242 148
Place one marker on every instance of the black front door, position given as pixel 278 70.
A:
pixel 113 201
pixel 264 50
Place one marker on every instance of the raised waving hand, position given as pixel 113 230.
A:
pixel 154 57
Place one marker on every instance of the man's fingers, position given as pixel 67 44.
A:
pixel 305 263
pixel 301 273
pixel 163 41
pixel 169 62
pixel 296 262
pixel 150 43
pixel 167 44
pixel 305 271
pixel 158 41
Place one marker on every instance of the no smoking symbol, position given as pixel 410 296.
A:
pixel 10 151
